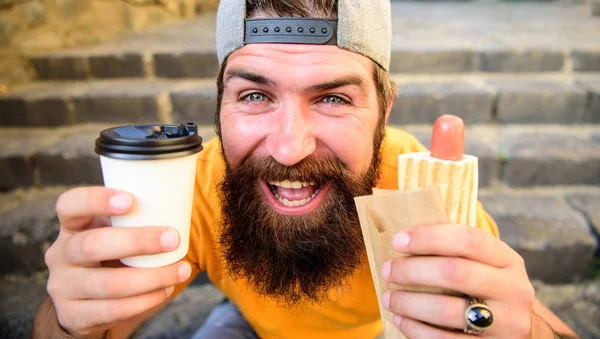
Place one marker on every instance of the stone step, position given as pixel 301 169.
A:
pixel 530 155
pixel 554 229
pixel 428 38
pixel 478 99
pixel 512 156
pixel 19 302
pixel 577 304
pixel 113 63
pixel 57 156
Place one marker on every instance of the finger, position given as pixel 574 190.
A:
pixel 110 243
pixel 416 330
pixel 76 208
pixel 456 241
pixel 440 310
pixel 457 274
pixel 115 283
pixel 84 314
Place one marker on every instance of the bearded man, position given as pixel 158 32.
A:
pixel 304 94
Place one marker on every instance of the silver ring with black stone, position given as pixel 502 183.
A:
pixel 478 316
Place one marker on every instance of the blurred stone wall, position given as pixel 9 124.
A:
pixel 34 26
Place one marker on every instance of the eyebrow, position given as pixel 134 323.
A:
pixel 323 87
pixel 253 77
pixel 346 81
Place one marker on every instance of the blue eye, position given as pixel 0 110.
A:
pixel 255 97
pixel 334 100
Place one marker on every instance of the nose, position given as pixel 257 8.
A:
pixel 291 137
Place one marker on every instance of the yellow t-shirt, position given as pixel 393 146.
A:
pixel 354 313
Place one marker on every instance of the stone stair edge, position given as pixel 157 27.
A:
pixel 10 199
pixel 116 48
pixel 568 232
pixel 399 78
pixel 513 155
pixel 438 38
pixel 116 62
pixel 122 48
pixel 183 316
pixel 478 99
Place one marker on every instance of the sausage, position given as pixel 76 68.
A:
pixel 448 138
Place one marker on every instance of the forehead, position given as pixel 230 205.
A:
pixel 300 61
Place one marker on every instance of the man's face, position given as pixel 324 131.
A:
pixel 298 126
pixel 293 101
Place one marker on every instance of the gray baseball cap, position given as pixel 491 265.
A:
pixel 362 26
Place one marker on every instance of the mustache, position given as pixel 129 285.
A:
pixel 309 169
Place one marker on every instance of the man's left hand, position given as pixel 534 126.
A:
pixel 463 259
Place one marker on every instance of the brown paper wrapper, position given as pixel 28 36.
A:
pixel 386 213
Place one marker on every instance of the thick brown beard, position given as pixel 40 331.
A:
pixel 293 258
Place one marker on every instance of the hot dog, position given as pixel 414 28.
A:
pixel 448 138
pixel 446 167
pixel 447 170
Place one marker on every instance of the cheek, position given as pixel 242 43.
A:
pixel 350 141
pixel 241 134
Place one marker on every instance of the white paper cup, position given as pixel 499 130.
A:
pixel 160 173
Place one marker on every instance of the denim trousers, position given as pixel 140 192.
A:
pixel 225 322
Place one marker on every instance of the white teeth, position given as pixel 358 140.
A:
pixel 291 184
pixel 295 185
pixel 293 203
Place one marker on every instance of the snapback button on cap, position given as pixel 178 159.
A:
pixel 324 30
pixel 277 29
pixel 289 29
pixel 255 30
pixel 266 29
pixel 312 30
pixel 300 29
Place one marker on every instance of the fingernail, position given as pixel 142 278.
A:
pixel 397 320
pixel 185 270
pixel 386 300
pixel 120 202
pixel 386 270
pixel 401 240
pixel 169 239
pixel 169 290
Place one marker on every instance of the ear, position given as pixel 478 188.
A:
pixel 388 110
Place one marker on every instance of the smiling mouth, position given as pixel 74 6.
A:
pixel 294 193
pixel 294 197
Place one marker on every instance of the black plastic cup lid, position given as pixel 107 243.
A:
pixel 149 142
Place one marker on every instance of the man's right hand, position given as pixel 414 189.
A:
pixel 91 290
